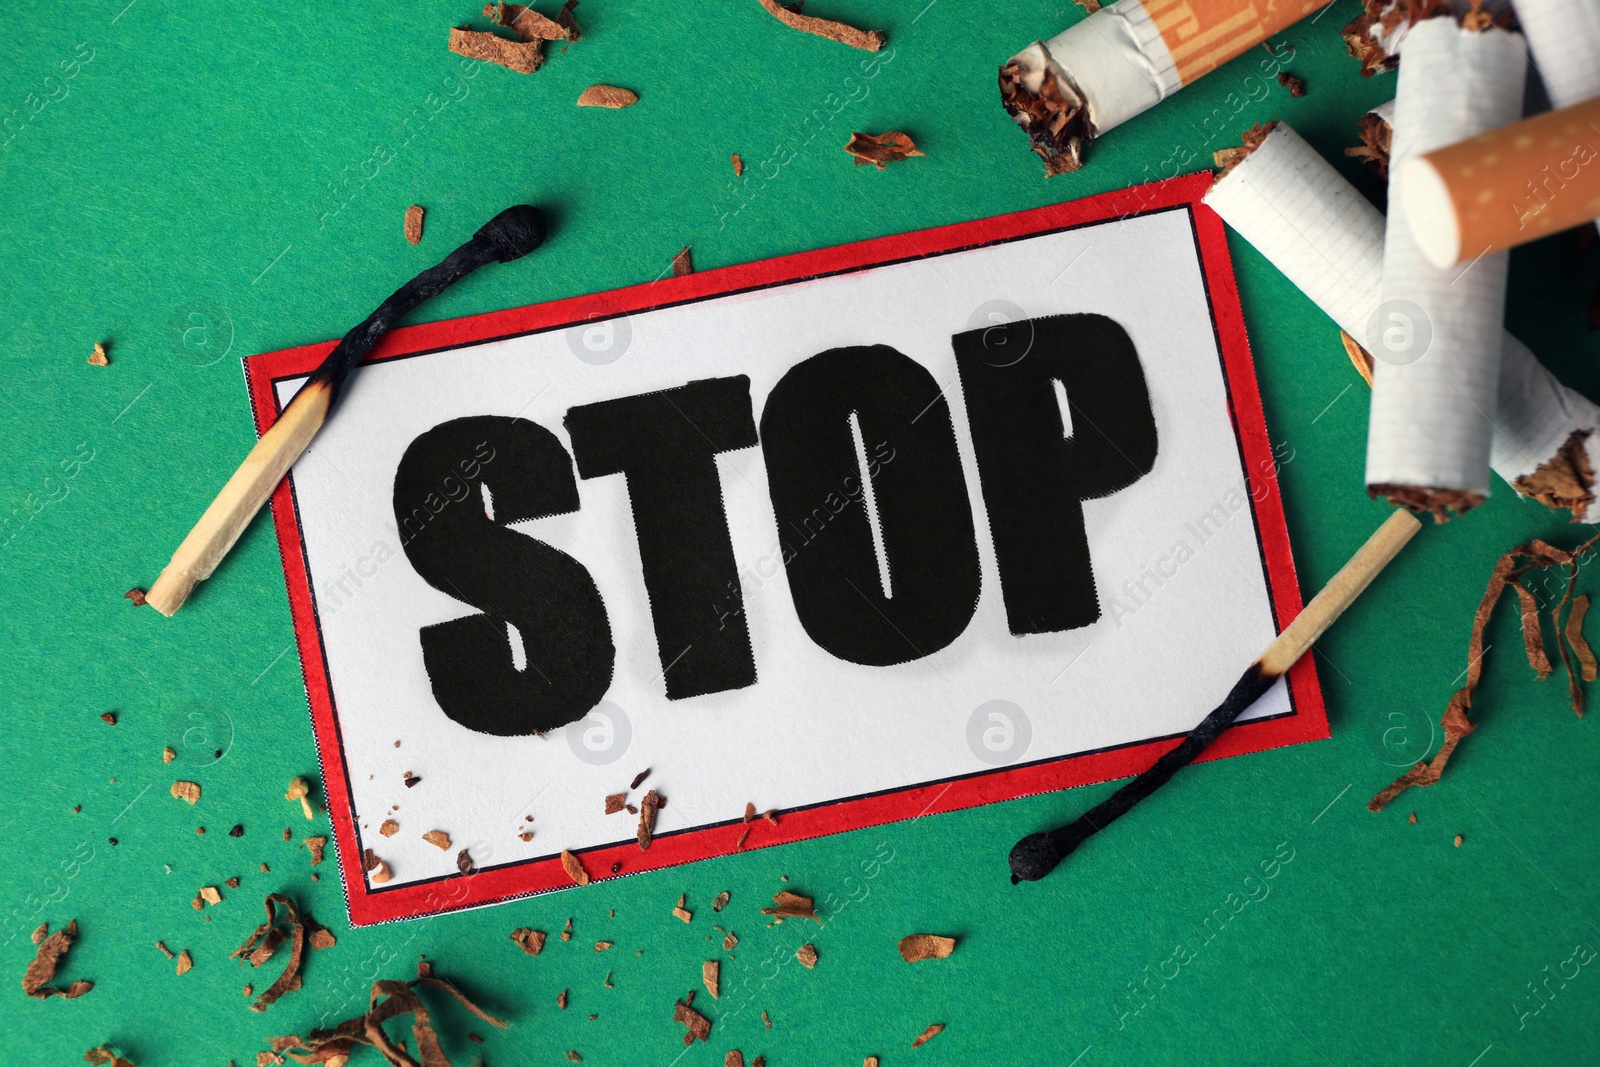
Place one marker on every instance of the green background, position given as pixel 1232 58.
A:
pixel 204 171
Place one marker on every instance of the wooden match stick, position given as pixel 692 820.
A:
pixel 510 235
pixel 1037 854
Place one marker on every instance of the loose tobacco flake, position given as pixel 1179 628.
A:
pixel 787 905
pixel 189 791
pixel 36 979
pixel 866 40
pixel 807 955
pixel 574 868
pixel 531 941
pixel 647 818
pixel 710 974
pixel 413 227
pixel 927 1035
pixel 615 802
pixel 917 947
pixel 438 839
pixel 881 149
pixel 610 96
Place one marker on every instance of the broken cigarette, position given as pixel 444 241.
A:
pixel 1564 37
pixel 1377 35
pixel 510 235
pixel 1123 60
pixel 1436 341
pixel 1311 224
pixel 1506 187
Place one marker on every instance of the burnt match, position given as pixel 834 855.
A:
pixel 1038 854
pixel 510 235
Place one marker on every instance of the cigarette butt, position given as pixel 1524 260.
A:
pixel 1506 187
pixel 1301 214
pixel 1436 348
pixel 1564 37
pixel 1123 60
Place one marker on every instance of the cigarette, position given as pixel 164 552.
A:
pixel 1564 37
pixel 1376 37
pixel 1038 854
pixel 1123 60
pixel 1436 343
pixel 1311 224
pixel 1506 187
pixel 510 235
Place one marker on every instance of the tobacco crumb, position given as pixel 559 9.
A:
pixel 682 262
pixel 524 57
pixel 105 1054
pixel 1413 819
pixel 232 883
pixel 607 96
pixel 136 595
pixel 739 844
pixel 734 1058
pixel 389 828
pixel 566 931
pixel 730 942
pixel 526 836
pixel 464 862
pixel 76 808
pixel 109 718
pixel 866 40
pixel 738 164
pixel 699 1026
pixel 927 1035
pixel 369 860
pixel 720 901
pixel 561 1000
pixel 1091 6
pixel 265 869
pixel 647 818
pixel 881 149
pixel 710 974
pixel 185 962
pixel 607 982
pixel 438 839
pixel 1459 839
pixel 575 871
pixel 413 231
pixel 870 1061
pixel 573 1056
pixel 381 873
pixel 807 955
pixel 201 830
pixel 916 947
pixel 787 905
pixel 197 904
pixel 320 937
pixel 531 941
pixel 767 1020
pixel 1360 358
pixel 112 840
pixel 639 778
pixel 601 946
pixel 631 809
pixel 316 845
pixel 40 931
pixel 288 835
pixel 411 779
pixel 186 791
pixel 210 895
pixel 249 989
pixel 165 951
pixel 749 811
pixel 615 867
pixel 1296 86
pixel 474 1038
pixel 680 911
pixel 771 815
pixel 615 802
pixel 98 357
pixel 237 831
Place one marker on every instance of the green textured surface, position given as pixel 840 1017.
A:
pixel 198 164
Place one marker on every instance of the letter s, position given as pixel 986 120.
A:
pixel 513 579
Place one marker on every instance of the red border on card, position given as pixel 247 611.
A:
pixel 1308 721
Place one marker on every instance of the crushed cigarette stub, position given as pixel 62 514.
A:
pixel 881 149
pixel 413 224
pixel 807 955
pixel 916 947
pixel 36 979
pixel 189 791
pixel 927 1035
pixel 531 941
pixel 1507 575
pixel 787 905
pixel 710 973
pixel 574 868
pixel 300 789
pixel 866 40
pixel 98 357
pixel 607 96
pixel 438 839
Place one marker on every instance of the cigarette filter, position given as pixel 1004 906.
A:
pixel 1505 187
pixel 1435 335
pixel 1564 36
pixel 1123 60
pixel 1311 224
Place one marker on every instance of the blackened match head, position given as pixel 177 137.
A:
pixel 1033 857
pixel 513 233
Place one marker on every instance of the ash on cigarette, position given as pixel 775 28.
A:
pixel 1055 118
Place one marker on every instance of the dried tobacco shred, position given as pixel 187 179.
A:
pixel 917 947
pixel 36 979
pixel 881 149
pixel 787 905
pixel 866 40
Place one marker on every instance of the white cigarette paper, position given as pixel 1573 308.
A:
pixel 1311 224
pixel 1123 60
pixel 1434 343
pixel 1564 37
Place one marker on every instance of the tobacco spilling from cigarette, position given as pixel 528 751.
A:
pixel 1038 854
pixel 508 236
